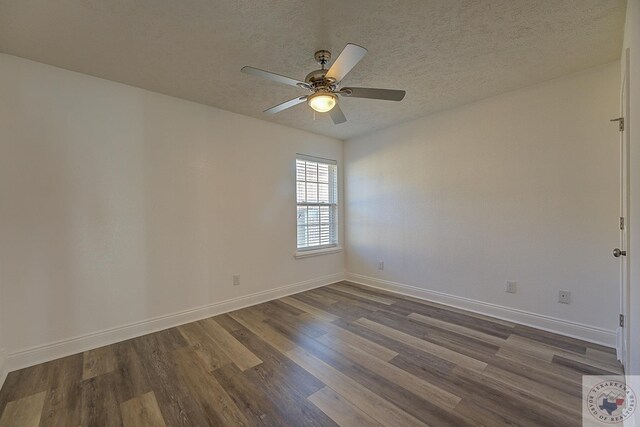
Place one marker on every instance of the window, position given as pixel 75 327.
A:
pixel 317 200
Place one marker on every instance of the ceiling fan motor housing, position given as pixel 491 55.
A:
pixel 317 78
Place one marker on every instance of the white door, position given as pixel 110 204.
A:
pixel 620 252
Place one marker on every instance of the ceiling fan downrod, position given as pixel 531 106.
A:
pixel 322 57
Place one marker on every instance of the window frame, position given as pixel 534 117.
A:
pixel 302 252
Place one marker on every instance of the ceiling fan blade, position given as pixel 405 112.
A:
pixel 337 115
pixel 287 104
pixel 348 58
pixel 373 93
pixel 273 76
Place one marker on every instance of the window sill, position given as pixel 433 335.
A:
pixel 316 252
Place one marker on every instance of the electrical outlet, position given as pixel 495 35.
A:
pixel 236 280
pixel 564 297
pixel 380 265
pixel 511 287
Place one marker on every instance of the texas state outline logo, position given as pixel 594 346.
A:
pixel 609 401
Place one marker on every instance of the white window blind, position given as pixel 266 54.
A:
pixel 317 202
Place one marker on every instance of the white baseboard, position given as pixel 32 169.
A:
pixel 51 351
pixel 552 324
pixel 44 353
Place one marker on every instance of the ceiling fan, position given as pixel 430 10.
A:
pixel 325 84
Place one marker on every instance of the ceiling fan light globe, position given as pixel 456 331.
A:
pixel 322 102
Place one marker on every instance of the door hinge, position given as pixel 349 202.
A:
pixel 621 223
pixel 620 121
pixel 622 320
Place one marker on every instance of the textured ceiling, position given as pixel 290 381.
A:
pixel 444 53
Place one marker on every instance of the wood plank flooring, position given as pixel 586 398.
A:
pixel 342 355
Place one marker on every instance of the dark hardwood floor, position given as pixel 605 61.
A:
pixel 338 355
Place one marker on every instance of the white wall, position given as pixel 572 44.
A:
pixel 523 186
pixel 119 205
pixel 632 41
pixel 3 371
